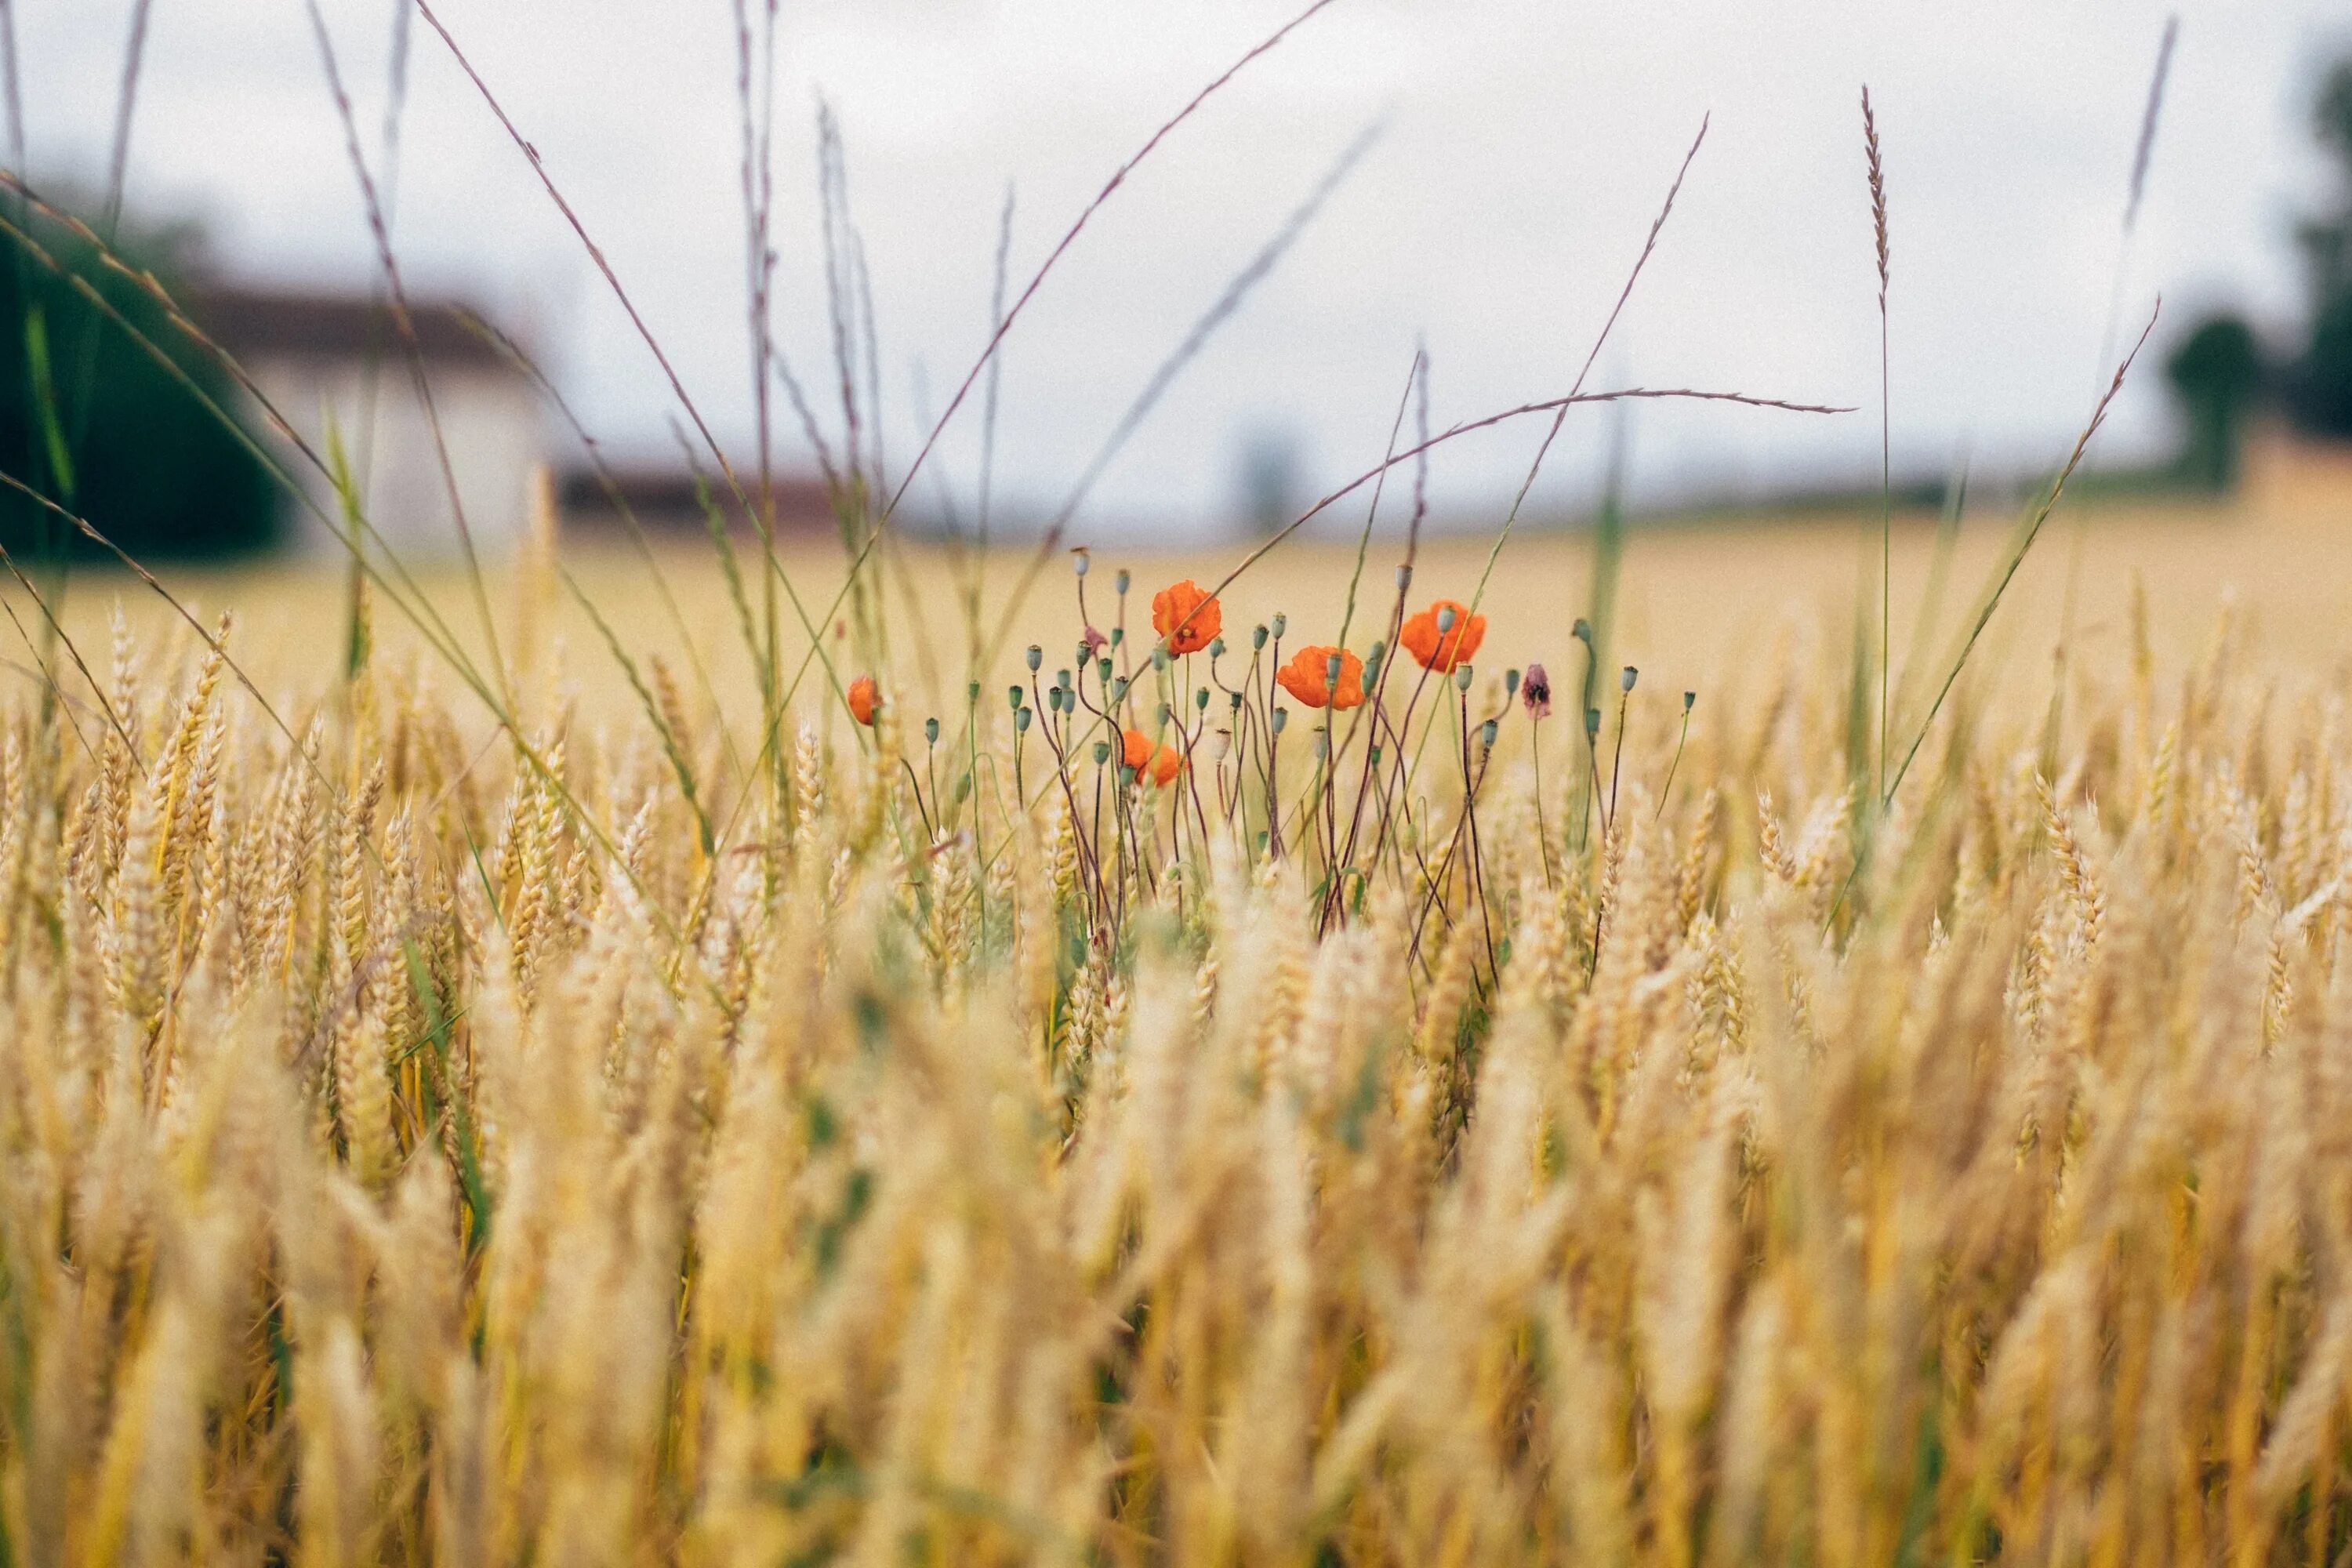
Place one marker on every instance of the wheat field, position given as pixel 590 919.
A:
pixel 497 1125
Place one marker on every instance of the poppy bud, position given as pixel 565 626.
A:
pixel 1487 734
pixel 932 731
pixel 1021 717
pixel 1118 635
pixel 1583 631
pixel 1281 623
pixel 1080 562
pixel 1201 700
pixel 1591 723
pixel 1445 619
pixel 1015 694
pixel 1322 744
pixel 1404 578
pixel 1331 670
pixel 1102 670
pixel 1126 776
pixel 1062 678
pixel 1257 638
pixel 1036 655
pixel 1102 753
pixel 1160 657
pixel 1237 700
pixel 1217 649
pixel 1462 677
pixel 1123 580
pixel 1625 679
pixel 971 691
pixel 1380 651
pixel 1281 717
pixel 1376 756
pixel 1118 690
pixel 1690 701
pixel 1535 692
pixel 1510 684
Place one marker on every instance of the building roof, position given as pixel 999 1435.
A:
pixel 263 322
pixel 669 498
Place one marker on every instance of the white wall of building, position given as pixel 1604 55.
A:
pixel 489 420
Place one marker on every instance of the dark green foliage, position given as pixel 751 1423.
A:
pixel 89 419
pixel 2320 390
pixel 2216 373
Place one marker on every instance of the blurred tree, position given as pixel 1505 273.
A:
pixel 2216 373
pixel 2320 388
pixel 1270 479
pixel 90 420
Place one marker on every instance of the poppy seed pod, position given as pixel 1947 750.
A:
pixel 1080 562
pixel 1035 655
pixel 1118 635
pixel 1102 670
pixel 1445 618
pixel 1510 684
pixel 1281 623
pixel 1021 717
pixel 971 691
pixel 1015 695
pixel 1102 753
pixel 1625 681
pixel 932 731
pixel 1583 631
pixel 1160 657
pixel 1118 690
pixel 1281 717
pixel 1201 700
pixel 1062 678
pixel 1690 701
pixel 1462 678
pixel 1217 649
pixel 1123 579
pixel 1404 578
pixel 1591 723
pixel 1236 700
pixel 1487 734
pixel 1258 638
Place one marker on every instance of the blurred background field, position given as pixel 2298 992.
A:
pixel 1700 598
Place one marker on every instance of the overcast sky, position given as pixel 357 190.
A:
pixel 1527 145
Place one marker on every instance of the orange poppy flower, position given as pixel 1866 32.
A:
pixel 1160 767
pixel 1186 617
pixel 1442 651
pixel 1307 677
pixel 865 699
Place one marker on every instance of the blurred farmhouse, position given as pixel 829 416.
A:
pixel 335 361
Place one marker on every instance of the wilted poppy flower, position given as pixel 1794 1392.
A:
pixel 1535 692
pixel 1189 618
pixel 1307 677
pixel 1160 766
pixel 865 699
pixel 1442 650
